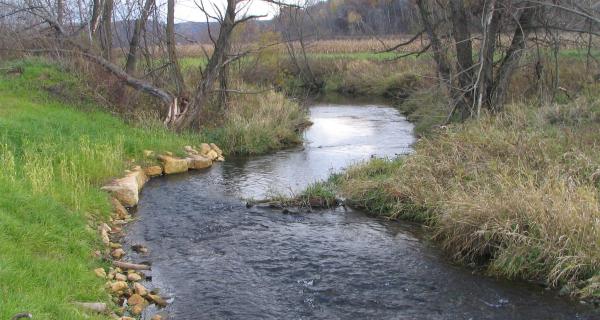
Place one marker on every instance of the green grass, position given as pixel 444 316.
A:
pixel 55 156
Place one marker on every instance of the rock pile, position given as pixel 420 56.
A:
pixel 124 278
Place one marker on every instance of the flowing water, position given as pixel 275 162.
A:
pixel 218 259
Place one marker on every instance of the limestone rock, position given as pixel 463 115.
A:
pixel 98 307
pixel 156 299
pixel 189 150
pixel 125 190
pixel 134 277
pixel 197 162
pixel 100 272
pixel 119 209
pixel 173 165
pixel 118 286
pixel 156 317
pixel 120 277
pixel 114 245
pixel 204 149
pixel 137 309
pixel 105 238
pixel 212 155
pixel 118 253
pixel 106 227
pixel 136 299
pixel 140 176
pixel 153 171
pixel 139 248
pixel 220 159
pixel 140 289
pixel 216 149
pixel 126 318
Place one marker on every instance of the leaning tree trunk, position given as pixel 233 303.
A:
pixel 172 52
pixel 439 53
pixel 96 14
pixel 511 59
pixel 106 30
pixel 191 115
pixel 134 44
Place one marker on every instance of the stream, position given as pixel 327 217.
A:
pixel 217 259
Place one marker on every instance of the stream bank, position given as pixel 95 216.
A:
pixel 216 258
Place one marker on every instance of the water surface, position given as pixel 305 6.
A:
pixel 221 260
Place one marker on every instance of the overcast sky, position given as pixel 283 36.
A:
pixel 186 10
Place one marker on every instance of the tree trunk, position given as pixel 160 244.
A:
pixel 511 59
pixel 485 77
pixel 134 44
pixel 172 52
pixel 464 57
pixel 60 11
pixel 106 31
pixel 439 54
pixel 96 14
pixel 191 116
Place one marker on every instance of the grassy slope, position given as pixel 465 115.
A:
pixel 519 192
pixel 54 156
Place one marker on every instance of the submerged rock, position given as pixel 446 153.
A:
pixel 139 248
pixel 156 299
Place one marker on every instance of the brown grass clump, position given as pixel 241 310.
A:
pixel 518 192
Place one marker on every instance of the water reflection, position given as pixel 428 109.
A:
pixel 340 135
pixel 221 260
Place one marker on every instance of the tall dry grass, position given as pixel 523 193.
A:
pixel 518 192
pixel 258 123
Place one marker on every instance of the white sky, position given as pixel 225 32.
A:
pixel 186 10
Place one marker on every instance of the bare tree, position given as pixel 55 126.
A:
pixel 172 51
pixel 297 28
pixel 485 84
pixel 134 44
pixel 220 58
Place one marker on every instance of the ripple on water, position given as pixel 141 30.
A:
pixel 221 260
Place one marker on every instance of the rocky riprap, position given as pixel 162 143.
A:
pixel 124 278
